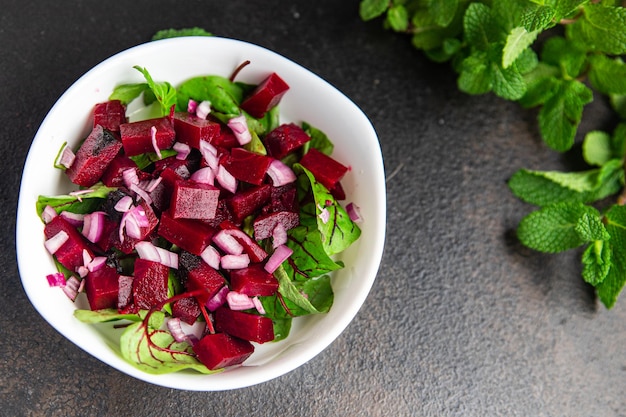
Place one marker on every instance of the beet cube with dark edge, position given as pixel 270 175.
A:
pixel 246 166
pixel 285 139
pixel 137 136
pixel 205 278
pixel 244 325
pixel 327 170
pixel 94 156
pixel 191 129
pixel 265 96
pixel 102 288
pixel 253 281
pixel 265 224
pixel 113 175
pixel 220 350
pixel 150 283
pixel 186 309
pixel 193 200
pixel 110 115
pixel 283 198
pixel 190 235
pixel 246 202
pixel 70 254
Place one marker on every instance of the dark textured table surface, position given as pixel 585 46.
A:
pixel 461 321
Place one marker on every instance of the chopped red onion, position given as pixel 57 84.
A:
pixel 97 263
pixel 203 109
pixel 211 256
pixel 238 301
pixel 82 271
pixel 150 185
pixel 48 214
pixel 182 150
pixel 354 212
pixel 280 173
pixel 192 105
pixel 235 261
pixel 75 219
pixel 258 305
pixel 130 177
pixel 324 214
pixel 72 287
pixel 93 226
pixel 87 258
pixel 55 242
pixel 218 299
pixel 133 220
pixel 141 193
pixel 280 254
pixel 173 325
pixel 204 176
pixel 209 153
pixel 78 193
pixel 124 204
pixel 245 238
pixel 67 157
pixel 279 235
pixel 155 145
pixel 56 280
pixel 147 250
pixel 226 180
pixel 227 243
pixel 239 126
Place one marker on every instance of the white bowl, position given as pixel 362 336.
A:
pixel 309 99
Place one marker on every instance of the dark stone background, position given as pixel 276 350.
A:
pixel 462 321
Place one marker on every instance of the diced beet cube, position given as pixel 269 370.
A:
pixel 125 294
pixel 243 325
pixel 222 213
pixel 128 244
pixel 110 115
pixel 265 96
pixel 109 228
pixel 94 156
pixel 186 309
pixel 285 139
pixel 265 224
pixel 246 202
pixel 253 281
pixel 246 166
pixel 150 283
pixel 226 139
pixel 283 198
pixel 338 192
pixel 70 254
pixel 193 200
pixel 102 288
pixel 326 169
pixel 204 277
pixel 190 235
pixel 162 194
pixel 137 136
pixel 220 350
pixel 250 247
pixel 191 129
pixel 182 167
pixel 113 175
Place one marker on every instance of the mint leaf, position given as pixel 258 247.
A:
pixel 596 260
pixel 176 33
pixel 398 18
pixel 507 83
pixel 475 76
pixel 560 115
pixel 552 228
pixel 480 28
pixel 597 149
pixel 600 29
pixel 371 9
pixel 444 11
pixel 565 55
pixel 516 42
pixel 541 84
pixel 538 18
pixel 609 289
pixel 618 141
pixel 607 75
pixel 618 103
pixel 590 228
pixel 164 92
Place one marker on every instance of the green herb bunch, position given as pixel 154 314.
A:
pixel 554 56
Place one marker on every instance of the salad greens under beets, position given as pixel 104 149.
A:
pixel 202 225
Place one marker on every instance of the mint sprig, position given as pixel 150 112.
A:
pixel 553 56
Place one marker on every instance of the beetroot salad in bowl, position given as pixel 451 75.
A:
pixel 201 213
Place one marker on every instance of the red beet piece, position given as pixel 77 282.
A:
pixel 204 277
pixel 150 283
pixel 283 198
pixel 265 96
pixel 70 254
pixel 102 288
pixel 191 129
pixel 243 325
pixel 246 202
pixel 137 136
pixel 253 281
pixel 250 247
pixel 325 168
pixel 285 139
pixel 113 175
pixel 220 350
pixel 128 244
pixel 162 193
pixel 93 157
pixel 190 235
pixel 186 309
pixel 110 115
pixel 265 224
pixel 193 200
pixel 226 139
pixel 246 166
